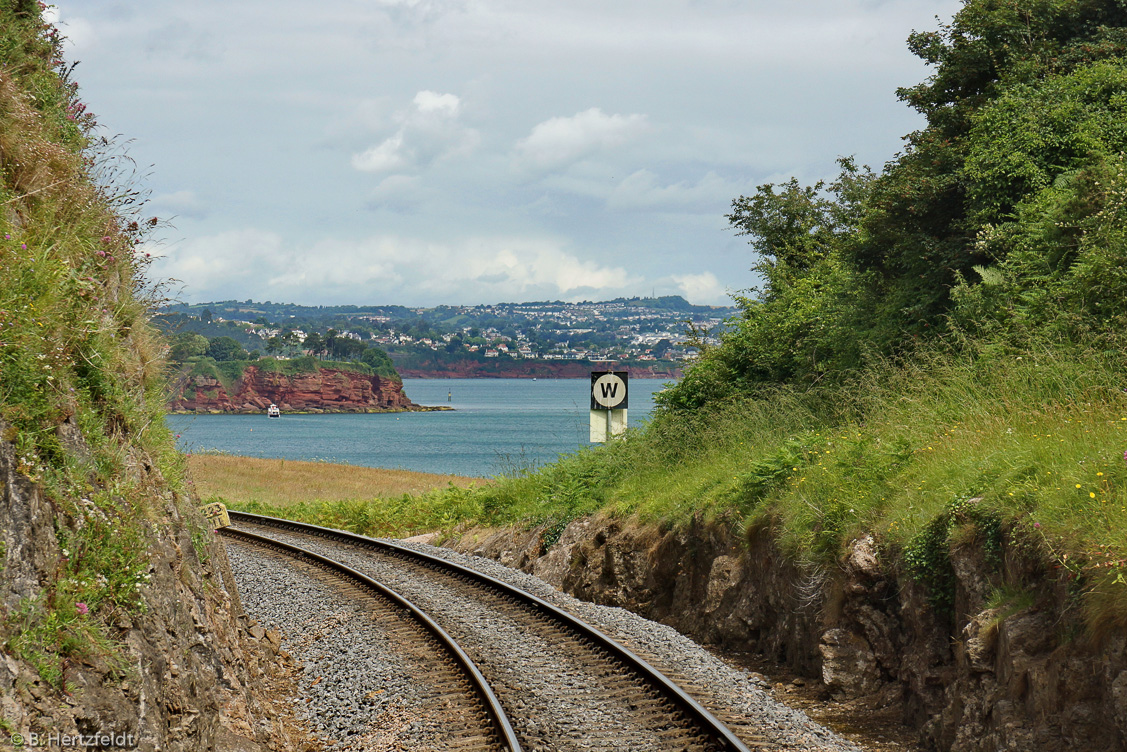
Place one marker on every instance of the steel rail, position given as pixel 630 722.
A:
pixel 708 722
pixel 493 708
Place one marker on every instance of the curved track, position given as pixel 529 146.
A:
pixel 462 680
pixel 608 697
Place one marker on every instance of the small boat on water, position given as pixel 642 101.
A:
pixel 273 411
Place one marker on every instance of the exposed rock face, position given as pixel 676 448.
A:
pixel 977 680
pixel 323 390
pixel 191 678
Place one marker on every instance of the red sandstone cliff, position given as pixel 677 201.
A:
pixel 325 390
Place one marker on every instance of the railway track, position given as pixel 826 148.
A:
pixel 455 685
pixel 563 683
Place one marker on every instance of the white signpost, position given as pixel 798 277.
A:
pixel 608 404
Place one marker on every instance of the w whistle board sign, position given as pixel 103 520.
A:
pixel 608 390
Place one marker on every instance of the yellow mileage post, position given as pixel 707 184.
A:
pixel 216 514
pixel 608 404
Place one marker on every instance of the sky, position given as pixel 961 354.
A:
pixel 426 152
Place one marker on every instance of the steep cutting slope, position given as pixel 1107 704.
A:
pixel 118 615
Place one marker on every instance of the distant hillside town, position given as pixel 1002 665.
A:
pixel 475 340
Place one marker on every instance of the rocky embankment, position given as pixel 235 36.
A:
pixel 187 672
pixel 1019 675
pixel 325 390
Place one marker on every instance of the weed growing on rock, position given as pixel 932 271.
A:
pixel 81 381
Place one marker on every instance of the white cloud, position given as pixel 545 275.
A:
pixel 428 131
pixel 446 105
pixel 389 156
pixel 562 140
pixel 222 263
pixel 77 32
pixel 260 265
pixel 700 287
pixel 476 118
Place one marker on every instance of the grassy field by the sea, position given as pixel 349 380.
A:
pixel 239 481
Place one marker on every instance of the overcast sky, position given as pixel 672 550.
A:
pixel 419 152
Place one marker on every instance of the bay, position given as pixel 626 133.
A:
pixel 496 426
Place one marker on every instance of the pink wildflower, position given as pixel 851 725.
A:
pixel 82 608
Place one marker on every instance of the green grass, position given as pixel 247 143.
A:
pixel 76 351
pixel 397 516
pixel 1022 451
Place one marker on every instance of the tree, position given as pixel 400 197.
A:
pixel 225 348
pixel 919 235
pixel 1004 211
pixel 379 361
pixel 187 345
pixel 346 348
pixel 796 226
pixel 315 344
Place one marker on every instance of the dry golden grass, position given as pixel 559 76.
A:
pixel 286 482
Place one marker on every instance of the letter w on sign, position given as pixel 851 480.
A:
pixel 609 390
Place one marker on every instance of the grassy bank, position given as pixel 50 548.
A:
pixel 365 499
pixel 282 483
pixel 81 375
pixel 945 450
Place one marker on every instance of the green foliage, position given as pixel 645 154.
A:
pixel 927 554
pixel 229 372
pixel 944 450
pixel 1033 133
pixel 77 355
pixel 187 345
pixel 395 517
pixel 225 348
pixel 106 557
pixel 1062 276
pixel 1001 221
pixel 380 363
pixel 771 472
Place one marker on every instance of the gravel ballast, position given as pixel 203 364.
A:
pixel 359 691
pixel 726 690
pixel 730 689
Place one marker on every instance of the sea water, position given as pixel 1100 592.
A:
pixel 496 426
